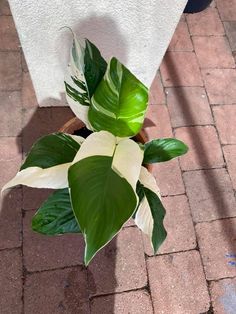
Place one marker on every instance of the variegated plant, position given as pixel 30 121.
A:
pixel 100 181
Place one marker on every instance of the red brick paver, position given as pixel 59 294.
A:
pixel 230 157
pixel 223 295
pixel 216 241
pixel 188 106
pixel 58 291
pixel 200 139
pixel 193 98
pixel 127 302
pixel 11 282
pixel 210 194
pixel 179 279
pixel 225 117
pixel 120 266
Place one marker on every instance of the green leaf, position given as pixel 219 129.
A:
pixel 85 71
pixel 150 213
pixel 52 150
pixel 56 216
pixel 102 201
pixel 163 149
pixel 119 102
pixel 158 213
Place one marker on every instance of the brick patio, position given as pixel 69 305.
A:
pixel 193 98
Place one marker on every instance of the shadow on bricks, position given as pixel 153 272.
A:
pixel 38 122
pixel 203 155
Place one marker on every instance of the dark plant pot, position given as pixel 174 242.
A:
pixel 194 6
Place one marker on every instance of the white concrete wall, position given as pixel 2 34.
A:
pixel 135 31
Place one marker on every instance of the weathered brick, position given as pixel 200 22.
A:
pixel 230 157
pixel 227 9
pixel 204 148
pixel 10 219
pixel 168 177
pixel 213 52
pixel 120 265
pixel 44 252
pixel 181 39
pixel 4 8
pixel 28 94
pixel 57 291
pixel 210 194
pixel 220 85
pixel 8 35
pixel 132 302
pixel 11 282
pixel 156 93
pixel 178 284
pixel 216 241
pixel 10 158
pixel 188 106
pixel 205 23
pixel 179 227
pixel 10 71
pixel 225 117
pixel 10 112
pixel 157 123
pixel 33 198
pixel 42 121
pixel 230 28
pixel 223 296
pixel 185 63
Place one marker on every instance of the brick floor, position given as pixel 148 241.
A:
pixel 211 21
pixel 122 304
pixel 230 157
pixel 185 63
pixel 210 194
pixel 120 266
pixel 223 295
pixel 57 291
pixel 199 139
pixel 216 241
pixel 193 97
pixel 11 282
pixel 188 106
pixel 217 48
pixel 42 252
pixel 220 85
pixel 178 222
pixel 225 117
pixel 178 278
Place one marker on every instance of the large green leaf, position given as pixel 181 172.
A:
pixel 85 71
pixel 102 183
pixel 47 163
pixel 56 216
pixel 119 102
pixel 163 149
pixel 52 150
pixel 102 201
pixel 150 213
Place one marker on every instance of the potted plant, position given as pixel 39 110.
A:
pixel 194 6
pixel 100 174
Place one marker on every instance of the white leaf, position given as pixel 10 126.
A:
pixel 36 177
pixel 143 217
pixel 100 143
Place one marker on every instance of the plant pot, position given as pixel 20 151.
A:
pixel 75 126
pixel 194 6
